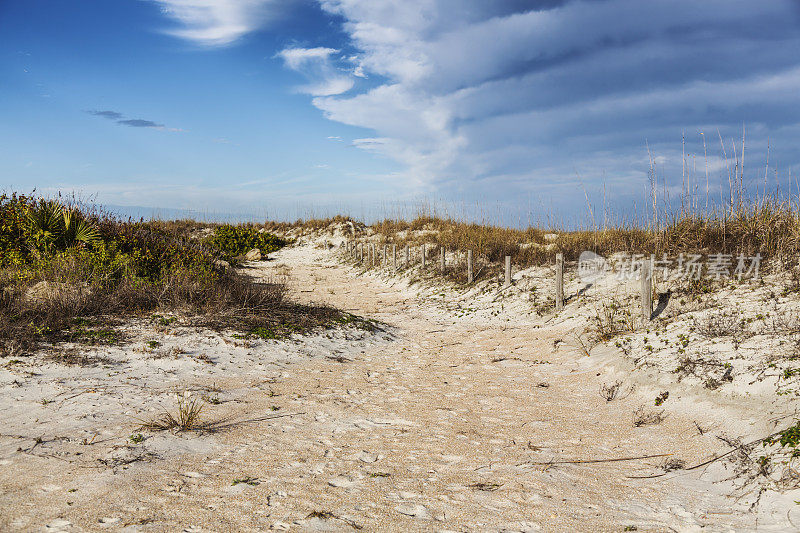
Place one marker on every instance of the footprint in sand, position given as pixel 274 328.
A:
pixel 59 524
pixel 342 482
pixel 413 509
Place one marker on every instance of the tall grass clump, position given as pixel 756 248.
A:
pixel 748 219
pixel 768 226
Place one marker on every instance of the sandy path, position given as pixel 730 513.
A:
pixel 436 430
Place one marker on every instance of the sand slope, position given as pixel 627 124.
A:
pixel 444 422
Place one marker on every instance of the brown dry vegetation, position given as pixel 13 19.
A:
pixel 771 228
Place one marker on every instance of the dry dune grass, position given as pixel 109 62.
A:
pixel 770 227
pixel 188 227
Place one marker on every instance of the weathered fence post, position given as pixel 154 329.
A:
pixel 559 282
pixel 508 271
pixel 394 255
pixel 408 255
pixel 647 290
pixel 423 256
pixel 443 260
pixel 469 266
pixel 361 249
pixel 372 249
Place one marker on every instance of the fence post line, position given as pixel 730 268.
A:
pixel 423 256
pixel 408 255
pixel 508 270
pixel 469 266
pixel 394 255
pixel 647 290
pixel 559 282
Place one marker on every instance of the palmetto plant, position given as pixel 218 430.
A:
pixel 50 224
pixel 77 229
pixel 44 224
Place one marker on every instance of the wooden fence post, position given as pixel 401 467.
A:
pixel 394 255
pixel 408 255
pixel 423 256
pixel 443 259
pixel 469 266
pixel 559 282
pixel 647 290
pixel 361 249
pixel 508 271
pixel 372 249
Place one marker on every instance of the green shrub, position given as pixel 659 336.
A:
pixel 789 437
pixel 98 266
pixel 13 243
pixel 233 241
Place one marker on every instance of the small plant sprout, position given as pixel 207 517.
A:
pixel 247 480
pixel 642 417
pixel 673 463
pixel 187 417
pixel 610 391
pixel 661 398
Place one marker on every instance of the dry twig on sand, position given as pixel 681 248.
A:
pixel 592 461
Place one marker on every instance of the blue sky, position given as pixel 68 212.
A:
pixel 293 107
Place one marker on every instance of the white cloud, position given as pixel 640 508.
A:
pixel 297 58
pixel 218 22
pixel 319 66
pixel 470 93
pixel 476 92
